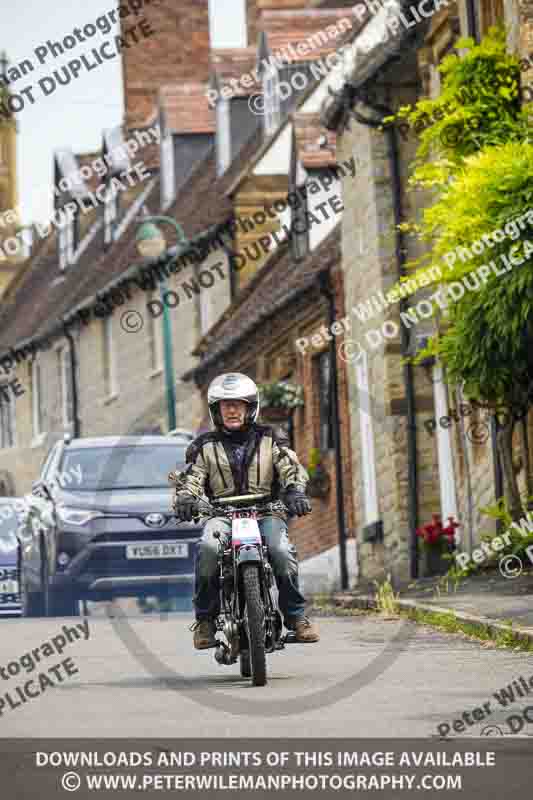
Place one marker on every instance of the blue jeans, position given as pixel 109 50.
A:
pixel 282 557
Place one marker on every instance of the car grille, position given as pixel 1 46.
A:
pixel 106 565
pixel 149 534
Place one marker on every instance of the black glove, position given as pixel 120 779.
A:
pixel 297 502
pixel 186 507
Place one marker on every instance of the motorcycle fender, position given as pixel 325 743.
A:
pixel 247 554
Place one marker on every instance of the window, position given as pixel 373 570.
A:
pixel 325 408
pixel 271 98
pixel 36 388
pixel 108 358
pixel 300 229
pixel 7 423
pixel 64 383
pixel 155 339
pixel 110 215
pixel 66 245
pixel 223 136
pixel 168 171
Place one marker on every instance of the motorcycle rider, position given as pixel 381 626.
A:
pixel 242 457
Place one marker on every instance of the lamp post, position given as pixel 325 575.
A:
pixel 151 243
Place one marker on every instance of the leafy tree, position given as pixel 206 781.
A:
pixel 482 181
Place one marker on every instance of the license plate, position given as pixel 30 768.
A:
pixel 158 550
pixel 9 587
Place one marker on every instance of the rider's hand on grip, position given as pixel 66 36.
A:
pixel 186 508
pixel 297 503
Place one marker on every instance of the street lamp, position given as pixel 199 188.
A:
pixel 151 243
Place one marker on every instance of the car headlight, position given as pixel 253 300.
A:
pixel 77 516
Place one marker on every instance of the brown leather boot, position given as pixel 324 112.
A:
pixel 204 634
pixel 306 631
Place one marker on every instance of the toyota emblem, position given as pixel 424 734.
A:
pixel 155 520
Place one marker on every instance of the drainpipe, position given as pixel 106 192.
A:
pixel 412 457
pixel 325 290
pixel 74 386
pixel 471 20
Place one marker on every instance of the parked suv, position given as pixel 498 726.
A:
pixel 99 524
pixel 11 510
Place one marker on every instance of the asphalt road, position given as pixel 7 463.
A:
pixel 128 682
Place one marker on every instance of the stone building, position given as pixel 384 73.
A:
pixel 404 470
pixel 12 249
pixel 90 368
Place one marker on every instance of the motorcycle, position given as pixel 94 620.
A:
pixel 249 616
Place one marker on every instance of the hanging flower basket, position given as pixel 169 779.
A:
pixel 278 399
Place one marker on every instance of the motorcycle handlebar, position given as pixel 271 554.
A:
pixel 240 498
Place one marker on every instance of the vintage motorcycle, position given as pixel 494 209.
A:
pixel 249 615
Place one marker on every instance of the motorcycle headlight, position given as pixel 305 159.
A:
pixel 77 516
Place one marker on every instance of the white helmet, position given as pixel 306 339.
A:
pixel 232 386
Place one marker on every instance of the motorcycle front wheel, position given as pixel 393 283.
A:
pixel 255 623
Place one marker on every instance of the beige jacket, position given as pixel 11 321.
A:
pixel 269 466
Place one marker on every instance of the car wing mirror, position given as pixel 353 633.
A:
pixel 40 489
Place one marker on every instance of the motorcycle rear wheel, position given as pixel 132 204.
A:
pixel 255 615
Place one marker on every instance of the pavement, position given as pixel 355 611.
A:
pixel 487 599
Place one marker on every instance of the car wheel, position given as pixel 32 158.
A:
pixel 59 602
pixel 32 603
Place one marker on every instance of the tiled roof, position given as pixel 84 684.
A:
pixel 186 107
pixel 276 284
pixel 43 296
pixel 287 27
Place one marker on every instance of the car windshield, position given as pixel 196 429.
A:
pixel 8 527
pixel 120 467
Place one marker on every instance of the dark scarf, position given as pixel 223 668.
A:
pixel 238 443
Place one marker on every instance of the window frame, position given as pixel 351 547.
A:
pixel 272 100
pixel 65 245
pixel 65 386
pixel 109 361
pixel 8 415
pixel 325 445
pixel 37 407
pixel 110 211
